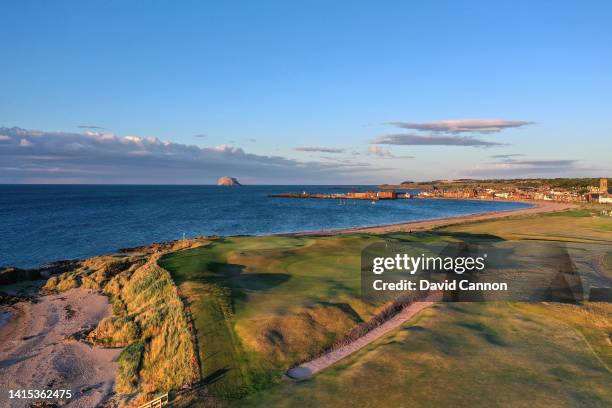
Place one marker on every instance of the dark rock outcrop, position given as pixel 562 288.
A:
pixel 10 275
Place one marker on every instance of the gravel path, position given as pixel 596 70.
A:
pixel 306 370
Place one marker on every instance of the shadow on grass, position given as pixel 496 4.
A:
pixel 485 332
pixel 346 308
pixel 415 329
pixel 471 237
pixel 214 376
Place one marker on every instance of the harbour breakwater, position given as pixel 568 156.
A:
pixel 351 195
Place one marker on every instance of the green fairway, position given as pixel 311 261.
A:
pixel 262 304
pixel 470 354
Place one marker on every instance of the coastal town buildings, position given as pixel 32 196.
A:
pixel 594 194
pixel 597 194
pixel 604 193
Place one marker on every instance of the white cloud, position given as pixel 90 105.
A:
pixel 102 157
pixel 384 153
pixel 229 149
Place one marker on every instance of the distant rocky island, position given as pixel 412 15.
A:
pixel 228 181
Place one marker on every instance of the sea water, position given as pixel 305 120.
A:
pixel 43 223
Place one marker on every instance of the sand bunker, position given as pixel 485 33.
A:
pixel 35 354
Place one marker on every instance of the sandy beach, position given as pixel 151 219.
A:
pixel 537 207
pixel 35 354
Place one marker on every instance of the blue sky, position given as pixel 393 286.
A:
pixel 287 92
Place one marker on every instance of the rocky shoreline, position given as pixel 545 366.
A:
pixel 10 275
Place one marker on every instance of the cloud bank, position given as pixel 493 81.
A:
pixel 91 127
pixel 318 149
pixel 543 163
pixel 432 140
pixel 28 156
pixel 463 125
pixel 509 167
pixel 506 156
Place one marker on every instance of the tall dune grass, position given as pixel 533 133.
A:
pixel 148 319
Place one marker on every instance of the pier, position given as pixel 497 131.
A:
pixel 352 195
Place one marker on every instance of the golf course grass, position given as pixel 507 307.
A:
pixel 262 304
pixel 464 354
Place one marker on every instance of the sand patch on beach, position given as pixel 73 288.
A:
pixel 35 354
pixel 537 207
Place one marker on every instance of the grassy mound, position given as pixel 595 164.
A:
pixel 593 320
pixel 148 320
pixel 469 354
pixel 130 361
pixel 264 304
pixel 169 359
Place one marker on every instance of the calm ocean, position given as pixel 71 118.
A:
pixel 43 223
